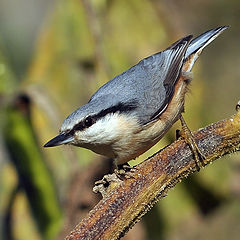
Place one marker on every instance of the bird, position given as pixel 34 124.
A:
pixel 131 113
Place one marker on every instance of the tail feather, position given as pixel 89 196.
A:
pixel 198 44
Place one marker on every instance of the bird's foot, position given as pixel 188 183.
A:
pixel 124 171
pixel 186 133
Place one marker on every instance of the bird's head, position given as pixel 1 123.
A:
pixel 99 122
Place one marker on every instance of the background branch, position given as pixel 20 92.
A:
pixel 125 202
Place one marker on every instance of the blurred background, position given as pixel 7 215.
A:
pixel 53 56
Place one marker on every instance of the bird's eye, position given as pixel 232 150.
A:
pixel 89 121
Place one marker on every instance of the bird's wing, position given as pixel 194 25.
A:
pixel 163 70
pixel 149 84
pixel 174 61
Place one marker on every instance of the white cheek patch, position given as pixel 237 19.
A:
pixel 108 129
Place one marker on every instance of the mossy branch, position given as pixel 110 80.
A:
pixel 126 201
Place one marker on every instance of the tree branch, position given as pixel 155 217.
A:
pixel 126 201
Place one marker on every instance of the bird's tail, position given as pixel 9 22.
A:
pixel 198 44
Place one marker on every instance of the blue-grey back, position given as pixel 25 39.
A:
pixel 147 84
pixel 151 82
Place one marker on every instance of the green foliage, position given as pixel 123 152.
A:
pixel 33 174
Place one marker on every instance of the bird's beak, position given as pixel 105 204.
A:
pixel 59 140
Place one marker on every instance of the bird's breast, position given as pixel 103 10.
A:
pixel 144 137
pixel 120 136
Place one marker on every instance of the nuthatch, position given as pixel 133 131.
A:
pixel 131 113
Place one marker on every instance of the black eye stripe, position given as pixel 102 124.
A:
pixel 86 123
pixel 90 120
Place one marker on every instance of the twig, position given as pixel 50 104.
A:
pixel 95 29
pixel 126 201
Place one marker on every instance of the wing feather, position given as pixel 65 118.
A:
pixel 174 63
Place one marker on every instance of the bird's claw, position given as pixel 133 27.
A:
pixel 186 133
pixel 124 171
